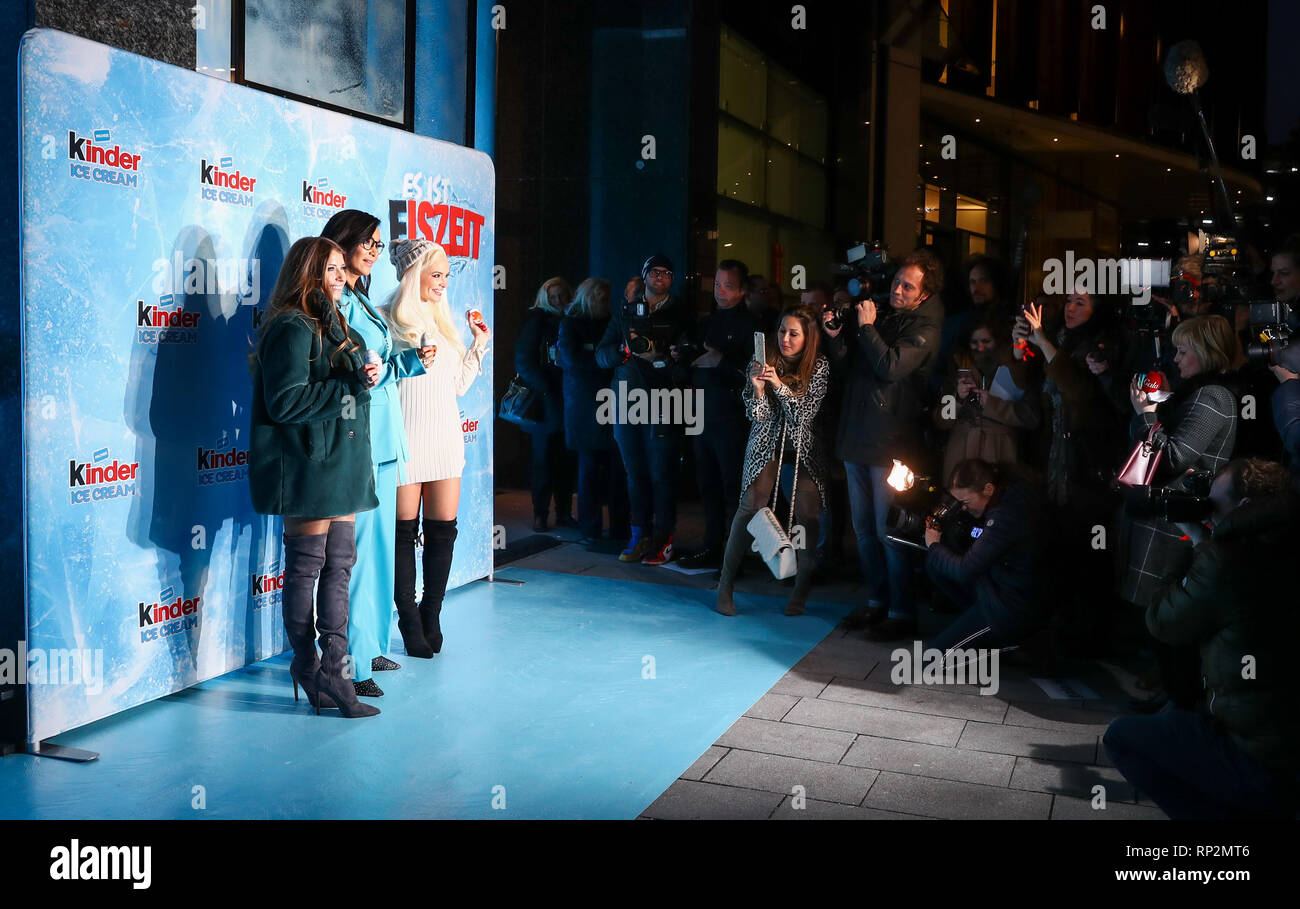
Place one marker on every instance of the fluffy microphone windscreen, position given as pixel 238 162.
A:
pixel 1185 67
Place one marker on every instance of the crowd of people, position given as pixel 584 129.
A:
pixel 1032 419
pixel 1062 476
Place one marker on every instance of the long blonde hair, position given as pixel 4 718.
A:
pixel 591 300
pixel 543 298
pixel 409 316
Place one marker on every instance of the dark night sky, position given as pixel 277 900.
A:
pixel 1283 77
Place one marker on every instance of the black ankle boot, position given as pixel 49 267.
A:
pixel 304 556
pixel 334 676
pixel 408 614
pixel 439 544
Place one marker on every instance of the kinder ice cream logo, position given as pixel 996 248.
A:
pixel 92 159
pixel 220 184
pixel 99 479
pixel 216 466
pixel 319 201
pixel 469 428
pixel 267 584
pixel 167 616
pixel 165 322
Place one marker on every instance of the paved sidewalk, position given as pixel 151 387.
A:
pixel 835 738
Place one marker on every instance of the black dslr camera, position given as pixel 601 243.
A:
pixel 905 522
pixel 1187 503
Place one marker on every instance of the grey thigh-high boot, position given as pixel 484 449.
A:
pixel 304 556
pixel 335 676
pixel 803 561
pixel 738 543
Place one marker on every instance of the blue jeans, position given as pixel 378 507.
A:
pixel 1193 770
pixel 886 568
pixel 651 461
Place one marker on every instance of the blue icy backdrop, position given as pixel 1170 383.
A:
pixel 102 253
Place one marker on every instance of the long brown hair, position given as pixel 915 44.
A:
pixel 300 289
pixel 796 374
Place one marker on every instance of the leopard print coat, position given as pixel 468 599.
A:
pixel 778 409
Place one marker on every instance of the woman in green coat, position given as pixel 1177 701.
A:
pixel 310 460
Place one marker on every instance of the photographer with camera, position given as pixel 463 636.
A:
pixel 884 359
pixel 998 579
pixel 720 355
pixel 1195 429
pixel 1234 756
pixel 637 345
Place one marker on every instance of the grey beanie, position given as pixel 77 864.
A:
pixel 405 253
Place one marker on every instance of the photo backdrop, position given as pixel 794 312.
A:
pixel 157 207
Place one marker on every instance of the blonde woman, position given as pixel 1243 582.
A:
pixel 417 310
pixel 535 361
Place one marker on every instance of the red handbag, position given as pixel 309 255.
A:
pixel 1143 462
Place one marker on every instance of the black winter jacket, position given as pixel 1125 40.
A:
pixel 583 379
pixel 1005 564
pixel 537 338
pixel 730 331
pixel 671 323
pixel 1237 602
pixel 884 368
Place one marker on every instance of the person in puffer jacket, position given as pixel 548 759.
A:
pixel 1237 755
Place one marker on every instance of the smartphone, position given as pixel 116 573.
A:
pixel 760 348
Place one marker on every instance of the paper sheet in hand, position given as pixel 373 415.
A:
pixel 1004 386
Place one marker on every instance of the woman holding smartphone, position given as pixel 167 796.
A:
pixel 417 311
pixel 782 399
pixel 371 629
pixel 310 460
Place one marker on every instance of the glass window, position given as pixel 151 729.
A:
pixel 348 54
pixel 742 81
pixel 741 167
pixel 972 215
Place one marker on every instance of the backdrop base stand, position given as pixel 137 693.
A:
pixel 59 752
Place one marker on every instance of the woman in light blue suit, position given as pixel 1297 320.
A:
pixel 371 587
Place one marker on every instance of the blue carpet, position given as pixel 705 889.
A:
pixel 568 697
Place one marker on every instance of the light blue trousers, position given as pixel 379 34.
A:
pixel 370 592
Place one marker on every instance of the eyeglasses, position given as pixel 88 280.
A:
pixel 375 245
pixel 660 273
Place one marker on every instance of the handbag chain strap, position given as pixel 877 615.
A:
pixel 780 461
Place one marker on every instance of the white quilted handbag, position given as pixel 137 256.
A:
pixel 771 541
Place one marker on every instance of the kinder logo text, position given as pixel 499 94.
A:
pixel 221 466
pixel 166 616
pixel 165 322
pixel 319 201
pixel 93 159
pixel 101 478
pixel 458 230
pixel 266 586
pixel 221 184
pixel 469 428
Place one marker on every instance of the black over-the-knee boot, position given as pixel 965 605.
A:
pixel 439 544
pixel 304 556
pixel 408 614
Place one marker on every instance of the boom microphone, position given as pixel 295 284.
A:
pixel 1185 67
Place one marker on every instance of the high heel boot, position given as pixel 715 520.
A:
pixel 304 556
pixel 803 562
pixel 738 541
pixel 408 614
pixel 334 676
pixel 439 544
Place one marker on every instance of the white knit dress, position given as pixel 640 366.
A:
pixel 429 409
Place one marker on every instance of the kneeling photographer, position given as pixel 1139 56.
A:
pixel 1234 756
pixel 998 575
